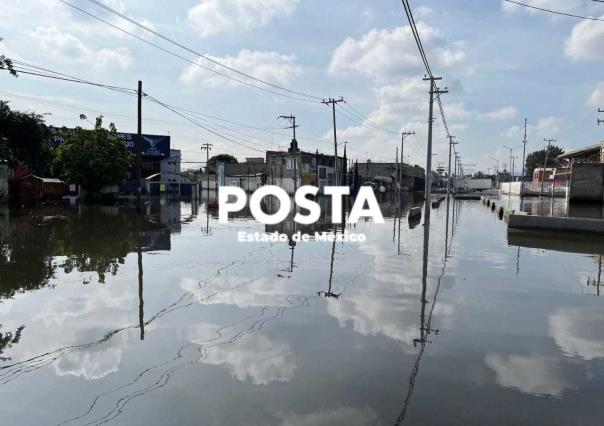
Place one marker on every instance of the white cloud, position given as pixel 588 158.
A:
pixel 505 113
pixel 218 16
pixel 252 357
pixel 597 96
pixel 271 66
pixel 63 46
pixel 586 41
pixel 372 54
pixel 90 365
pixel 548 127
pixel 533 374
pixel 350 416
pixel 578 332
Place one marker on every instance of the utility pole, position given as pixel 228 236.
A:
pixel 549 141
pixel 398 174
pixel 524 141
pixel 207 147
pixel 511 162
pixel 403 136
pixel 600 121
pixel 333 103
pixel 293 125
pixel 451 143
pixel 433 91
pixel 139 149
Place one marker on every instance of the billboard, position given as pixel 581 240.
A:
pixel 153 145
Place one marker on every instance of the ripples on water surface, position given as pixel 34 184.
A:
pixel 228 333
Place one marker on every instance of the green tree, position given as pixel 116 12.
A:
pixel 92 158
pixel 220 158
pixel 7 64
pixel 537 159
pixel 24 139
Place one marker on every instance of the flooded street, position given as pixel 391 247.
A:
pixel 168 319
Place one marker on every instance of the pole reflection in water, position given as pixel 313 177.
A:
pixel 425 327
pixel 596 281
pixel 141 302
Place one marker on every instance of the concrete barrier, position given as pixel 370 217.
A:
pixel 557 224
pixel 415 213
pixel 467 197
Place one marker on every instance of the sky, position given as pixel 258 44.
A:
pixel 501 63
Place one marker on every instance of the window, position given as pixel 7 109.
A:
pixel 290 163
pixel 322 172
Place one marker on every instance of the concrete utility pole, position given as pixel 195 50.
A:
pixel 398 174
pixel 403 136
pixel 600 121
pixel 139 149
pixel 511 161
pixel 433 91
pixel 333 103
pixel 207 147
pixel 524 141
pixel 292 121
pixel 451 143
pixel 549 141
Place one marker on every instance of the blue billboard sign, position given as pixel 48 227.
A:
pixel 153 145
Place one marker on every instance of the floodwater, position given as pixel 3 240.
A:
pixel 107 318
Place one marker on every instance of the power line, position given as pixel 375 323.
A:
pixel 555 12
pixel 200 55
pixel 207 128
pixel 190 61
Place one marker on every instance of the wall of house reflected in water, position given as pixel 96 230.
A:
pixel 109 317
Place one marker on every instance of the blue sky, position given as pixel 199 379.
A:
pixel 501 62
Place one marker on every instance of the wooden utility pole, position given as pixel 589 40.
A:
pixel 433 91
pixel 333 103
pixel 207 147
pixel 139 149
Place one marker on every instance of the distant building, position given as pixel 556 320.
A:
pixel 546 174
pixel 295 168
pixel 413 177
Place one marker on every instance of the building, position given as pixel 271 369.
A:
pixel 586 170
pixel 413 178
pixel 543 174
pixel 32 189
pixel 591 154
pixel 294 168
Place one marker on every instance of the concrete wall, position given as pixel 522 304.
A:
pixel 587 182
pixel 513 188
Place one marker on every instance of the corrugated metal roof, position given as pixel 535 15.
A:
pixel 581 151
